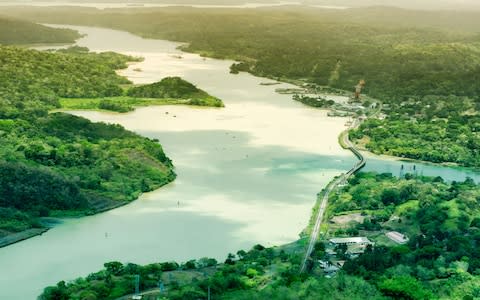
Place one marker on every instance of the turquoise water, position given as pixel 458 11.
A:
pixel 425 169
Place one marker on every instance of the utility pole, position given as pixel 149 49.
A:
pixel 137 284
pixel 358 90
pixel 161 287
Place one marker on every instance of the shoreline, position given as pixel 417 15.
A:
pixel 412 160
pixel 21 236
pixel 33 232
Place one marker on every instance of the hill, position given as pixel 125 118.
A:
pixel 175 88
pixel 55 164
pixel 423 65
pixel 18 32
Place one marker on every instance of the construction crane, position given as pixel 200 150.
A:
pixel 358 89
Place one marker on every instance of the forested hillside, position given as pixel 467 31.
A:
pixel 327 47
pixel 42 77
pixel 431 128
pixel 175 88
pixel 441 220
pixel 440 260
pixel 14 31
pixel 414 62
pixel 260 273
pixel 57 164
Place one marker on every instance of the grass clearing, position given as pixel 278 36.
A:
pixel 127 103
pixel 405 208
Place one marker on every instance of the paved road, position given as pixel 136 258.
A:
pixel 319 219
pixel 332 186
pixel 144 294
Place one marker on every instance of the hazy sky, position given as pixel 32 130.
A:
pixel 411 4
pixel 420 4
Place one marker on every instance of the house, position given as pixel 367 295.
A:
pixel 362 118
pixel 323 264
pixel 339 263
pixel 331 270
pixel 397 237
pixel 328 268
pixel 350 241
pixel 330 251
pixel 354 250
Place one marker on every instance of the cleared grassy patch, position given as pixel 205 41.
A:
pixel 452 209
pixel 405 208
pixel 127 103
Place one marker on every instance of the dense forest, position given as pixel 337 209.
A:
pixel 42 77
pixel 440 260
pixel 430 128
pixel 261 273
pixel 168 91
pixel 53 164
pixel 441 220
pixel 313 101
pixel 396 60
pixel 409 60
pixel 18 32
pixel 175 88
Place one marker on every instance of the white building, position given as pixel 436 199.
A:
pixel 397 237
pixel 351 241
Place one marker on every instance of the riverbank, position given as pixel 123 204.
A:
pixel 50 222
pixel 406 159
pixel 103 190
pixel 125 104
pixel 21 236
pixel 360 144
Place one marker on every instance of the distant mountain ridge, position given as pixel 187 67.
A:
pixel 409 4
pixel 19 32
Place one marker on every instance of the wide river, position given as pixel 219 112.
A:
pixel 247 173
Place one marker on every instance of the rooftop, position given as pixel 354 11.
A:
pixel 351 240
pixel 397 237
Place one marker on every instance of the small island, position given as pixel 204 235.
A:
pixel 168 91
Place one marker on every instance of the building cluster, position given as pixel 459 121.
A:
pixel 353 246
